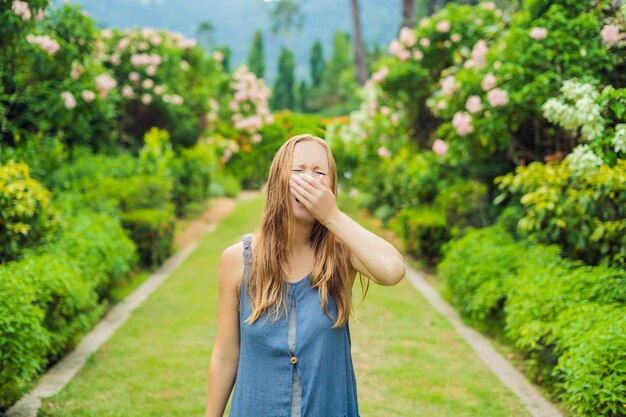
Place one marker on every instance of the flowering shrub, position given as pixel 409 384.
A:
pixel 40 93
pixel 600 116
pixel 373 134
pixel 163 80
pixel 244 112
pixel 454 34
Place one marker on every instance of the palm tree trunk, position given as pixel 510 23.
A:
pixel 408 7
pixel 359 50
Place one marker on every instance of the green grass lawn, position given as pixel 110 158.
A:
pixel 408 359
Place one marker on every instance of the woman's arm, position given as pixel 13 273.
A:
pixel 372 255
pixel 225 355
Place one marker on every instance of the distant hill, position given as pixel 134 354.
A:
pixel 235 22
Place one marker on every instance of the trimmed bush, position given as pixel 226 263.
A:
pixel 568 318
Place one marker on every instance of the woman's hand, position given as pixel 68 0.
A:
pixel 316 196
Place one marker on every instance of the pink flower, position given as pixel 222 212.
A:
pixel 479 53
pixel 106 34
pixel 104 84
pixel 488 82
pixel 151 70
pixel 134 76
pixel 218 56
pixel 443 26
pixel 226 156
pixel 88 95
pixel 440 147
pixel 407 37
pixel 498 97
pixel 45 42
pixel 115 59
pixel 397 49
pixel 462 122
pixel 20 8
pixel 176 99
pixel 147 83
pixel 40 14
pixel 68 99
pixel 455 37
pixel 473 104
pixel 538 33
pixel 448 85
pixel 127 91
pixel 122 44
pixel 383 152
pixel 418 55
pixel 146 98
pixel 256 138
pixel 425 42
pixel 380 75
pixel 76 71
pixel 610 34
pixel 145 59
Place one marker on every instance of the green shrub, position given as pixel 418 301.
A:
pixel 252 161
pixel 153 230
pixel 464 204
pixel 192 171
pixel 424 231
pixel 55 293
pixel 69 304
pixel 585 215
pixel 225 185
pixel 591 372
pixel 567 318
pixel 23 339
pixel 98 245
pixel 475 269
pixel 26 214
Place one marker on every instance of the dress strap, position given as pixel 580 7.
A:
pixel 247 254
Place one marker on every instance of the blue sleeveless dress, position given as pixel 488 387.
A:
pixel 321 357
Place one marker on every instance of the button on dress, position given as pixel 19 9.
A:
pixel 306 366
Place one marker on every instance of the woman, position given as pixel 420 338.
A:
pixel 283 337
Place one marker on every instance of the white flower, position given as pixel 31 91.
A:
pixel 619 140
pixel 583 160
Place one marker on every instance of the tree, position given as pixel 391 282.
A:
pixel 338 83
pixel 286 14
pixel 256 55
pixel 205 35
pixel 359 50
pixel 226 52
pixel 283 97
pixel 317 64
pixel 303 92
pixel 408 16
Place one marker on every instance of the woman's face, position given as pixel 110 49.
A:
pixel 308 157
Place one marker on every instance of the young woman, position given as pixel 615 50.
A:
pixel 285 292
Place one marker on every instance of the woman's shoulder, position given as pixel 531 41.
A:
pixel 232 264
